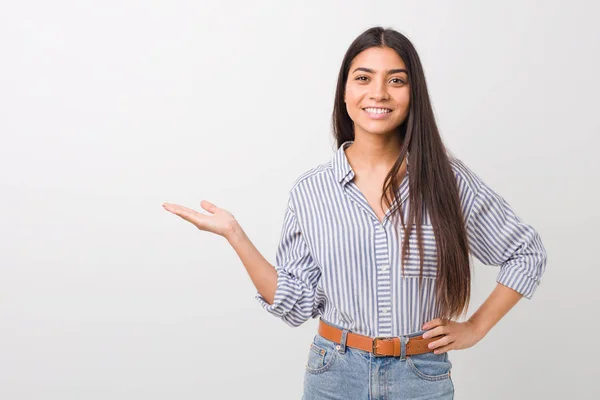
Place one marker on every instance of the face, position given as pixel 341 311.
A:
pixel 377 92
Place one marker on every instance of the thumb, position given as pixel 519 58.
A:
pixel 208 206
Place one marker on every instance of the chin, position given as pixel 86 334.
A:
pixel 379 129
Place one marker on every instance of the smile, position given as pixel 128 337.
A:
pixel 378 113
pixel 372 110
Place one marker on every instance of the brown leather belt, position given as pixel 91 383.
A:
pixel 378 346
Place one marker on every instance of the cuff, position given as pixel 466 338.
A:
pixel 285 297
pixel 518 281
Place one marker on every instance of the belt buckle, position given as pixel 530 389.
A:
pixel 375 339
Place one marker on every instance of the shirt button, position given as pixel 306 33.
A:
pixel 384 267
pixel 385 310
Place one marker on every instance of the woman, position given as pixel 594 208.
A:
pixel 387 281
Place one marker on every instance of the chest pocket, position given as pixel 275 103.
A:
pixel 412 263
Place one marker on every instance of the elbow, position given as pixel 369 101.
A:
pixel 292 307
pixel 302 310
pixel 524 274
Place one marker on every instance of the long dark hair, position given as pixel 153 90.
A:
pixel 432 183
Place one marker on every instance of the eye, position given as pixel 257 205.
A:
pixel 359 78
pixel 398 80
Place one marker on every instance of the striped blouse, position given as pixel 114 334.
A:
pixel 337 261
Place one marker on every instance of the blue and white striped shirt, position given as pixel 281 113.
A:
pixel 337 260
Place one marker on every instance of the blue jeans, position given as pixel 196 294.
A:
pixel 335 371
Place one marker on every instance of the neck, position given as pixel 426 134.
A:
pixel 374 154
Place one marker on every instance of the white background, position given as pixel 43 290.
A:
pixel 108 109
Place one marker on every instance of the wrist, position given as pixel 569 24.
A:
pixel 479 328
pixel 233 232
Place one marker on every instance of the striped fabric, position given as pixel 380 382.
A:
pixel 337 260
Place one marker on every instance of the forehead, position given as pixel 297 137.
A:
pixel 378 59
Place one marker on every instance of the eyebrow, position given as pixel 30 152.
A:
pixel 391 71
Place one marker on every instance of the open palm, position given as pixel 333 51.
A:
pixel 220 222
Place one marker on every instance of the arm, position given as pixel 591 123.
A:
pixel 262 273
pixel 462 335
pixel 497 236
pixel 287 290
pixel 223 223
pixel 496 306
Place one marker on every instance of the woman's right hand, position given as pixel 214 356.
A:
pixel 221 222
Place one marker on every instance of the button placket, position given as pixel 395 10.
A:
pixel 383 281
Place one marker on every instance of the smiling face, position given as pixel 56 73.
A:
pixel 377 93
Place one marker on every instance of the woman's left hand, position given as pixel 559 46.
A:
pixel 456 335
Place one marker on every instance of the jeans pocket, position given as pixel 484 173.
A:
pixel 430 366
pixel 321 356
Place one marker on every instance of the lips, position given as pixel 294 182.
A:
pixel 377 110
pixel 378 113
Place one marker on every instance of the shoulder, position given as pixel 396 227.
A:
pixel 465 176
pixel 310 176
pixel 303 186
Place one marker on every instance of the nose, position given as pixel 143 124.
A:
pixel 380 92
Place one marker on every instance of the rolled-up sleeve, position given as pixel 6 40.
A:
pixel 297 276
pixel 497 236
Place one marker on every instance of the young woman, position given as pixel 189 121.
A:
pixel 388 281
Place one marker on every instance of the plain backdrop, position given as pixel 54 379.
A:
pixel 108 109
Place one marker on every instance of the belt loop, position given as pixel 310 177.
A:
pixel 403 341
pixel 342 345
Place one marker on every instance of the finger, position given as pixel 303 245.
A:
pixel 433 323
pixel 172 207
pixel 443 349
pixel 186 213
pixel 440 330
pixel 208 206
pixel 178 209
pixel 188 210
pixel 440 342
pixel 168 207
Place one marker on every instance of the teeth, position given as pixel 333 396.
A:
pixel 377 110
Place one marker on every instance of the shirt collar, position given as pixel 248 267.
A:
pixel 341 167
